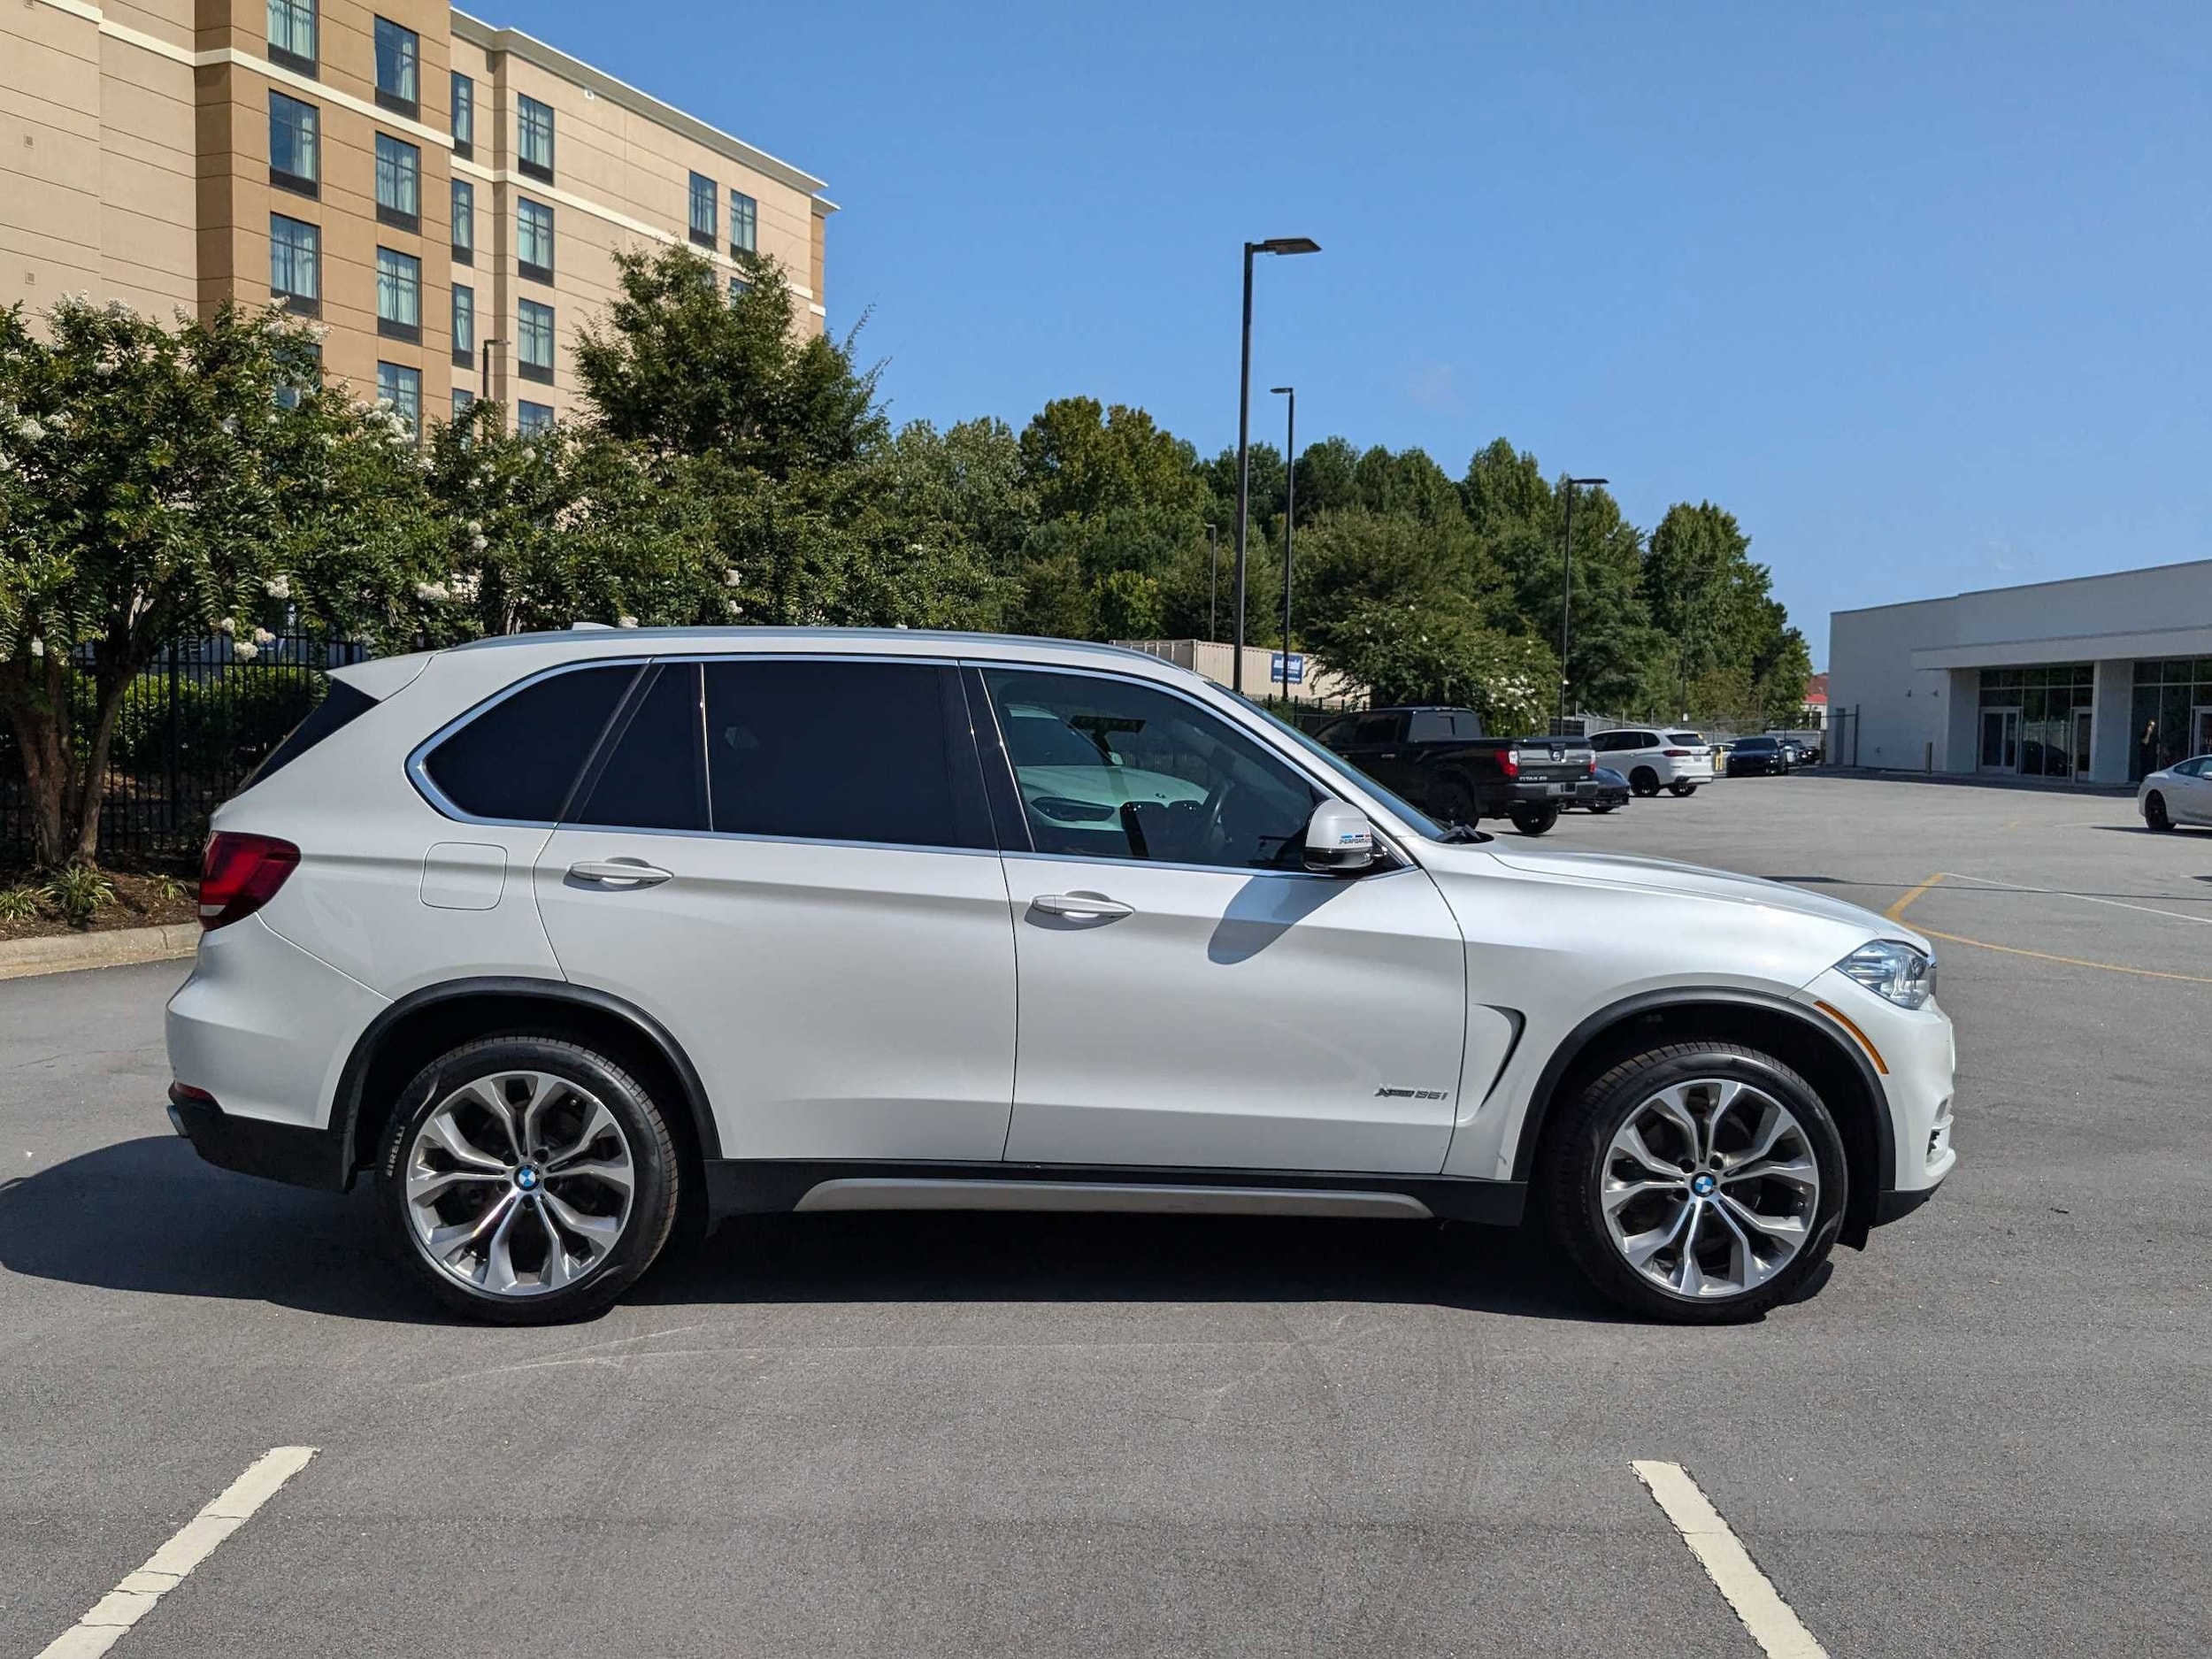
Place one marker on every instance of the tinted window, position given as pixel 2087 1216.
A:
pixel 518 758
pixel 1438 725
pixel 1131 771
pixel 1377 728
pixel 848 751
pixel 1755 745
pixel 340 706
pixel 652 777
pixel 1692 738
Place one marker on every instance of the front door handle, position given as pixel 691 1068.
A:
pixel 619 872
pixel 1081 905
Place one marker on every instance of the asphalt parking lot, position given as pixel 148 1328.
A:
pixel 1988 1434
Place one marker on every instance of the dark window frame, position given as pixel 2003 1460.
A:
pixel 525 330
pixel 463 97
pixel 393 214
pixel 297 304
pixel 527 421
pixel 402 369
pixel 306 184
pixel 392 98
pixel 533 272
pixel 396 328
pixel 284 57
pixel 705 193
pixel 464 252
pixel 750 218
pixel 525 162
pixel 464 355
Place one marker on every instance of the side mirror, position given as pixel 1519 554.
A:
pixel 1339 840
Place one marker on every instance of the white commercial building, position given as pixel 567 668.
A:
pixel 2097 679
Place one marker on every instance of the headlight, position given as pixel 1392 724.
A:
pixel 1893 970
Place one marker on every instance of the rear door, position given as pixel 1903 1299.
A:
pixel 788 863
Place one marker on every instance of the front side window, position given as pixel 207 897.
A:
pixel 398 295
pixel 463 221
pixel 704 191
pixel 398 68
pixel 401 387
pixel 1112 768
pixel 399 182
pixel 533 341
pixel 744 223
pixel 532 418
pixel 295 264
pixel 847 751
pixel 533 239
pixel 519 758
pixel 295 149
pixel 533 136
pixel 464 115
pixel 292 35
pixel 463 324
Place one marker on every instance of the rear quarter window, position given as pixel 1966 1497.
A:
pixel 517 758
pixel 340 708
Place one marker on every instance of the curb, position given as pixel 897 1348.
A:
pixel 66 953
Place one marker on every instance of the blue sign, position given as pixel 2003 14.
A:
pixel 1297 669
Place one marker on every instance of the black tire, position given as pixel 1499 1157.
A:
pixel 1534 820
pixel 2154 813
pixel 1605 807
pixel 1681 790
pixel 653 1163
pixel 1570 1170
pixel 1452 801
pixel 1644 781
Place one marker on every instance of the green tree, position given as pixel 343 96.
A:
pixel 159 484
pixel 1440 652
pixel 1733 653
pixel 1082 459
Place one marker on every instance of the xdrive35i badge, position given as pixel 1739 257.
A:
pixel 1387 1092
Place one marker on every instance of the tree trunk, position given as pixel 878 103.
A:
pixel 81 820
pixel 37 697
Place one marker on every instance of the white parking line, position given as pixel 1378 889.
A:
pixel 2087 898
pixel 1728 1564
pixel 192 1543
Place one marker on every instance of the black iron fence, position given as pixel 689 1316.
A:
pixel 192 725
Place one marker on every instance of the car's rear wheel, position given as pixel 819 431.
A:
pixel 1452 801
pixel 1682 788
pixel 2154 813
pixel 1700 1182
pixel 1603 807
pixel 1644 781
pixel 1534 820
pixel 531 1182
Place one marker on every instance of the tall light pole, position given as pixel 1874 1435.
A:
pixel 1273 244
pixel 1290 512
pixel 1567 592
pixel 1213 584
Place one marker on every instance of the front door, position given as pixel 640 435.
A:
pixel 1189 996
pixel 2200 731
pixel 2000 740
pixel 2084 731
pixel 817 913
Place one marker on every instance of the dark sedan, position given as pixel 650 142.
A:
pixel 1754 757
pixel 1600 791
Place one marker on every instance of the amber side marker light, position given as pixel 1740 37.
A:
pixel 1865 1041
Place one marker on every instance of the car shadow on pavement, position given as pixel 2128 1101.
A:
pixel 147 1216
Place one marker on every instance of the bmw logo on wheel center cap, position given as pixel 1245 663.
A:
pixel 526 1178
pixel 1702 1185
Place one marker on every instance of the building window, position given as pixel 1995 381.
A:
pixel 402 388
pixel 2173 714
pixel 2028 719
pixel 744 223
pixel 739 287
pixel 463 115
pixel 533 341
pixel 398 295
pixel 398 68
pixel 533 138
pixel 463 222
pixel 292 35
pixel 462 399
pixel 532 418
pixel 295 260
pixel 533 239
pixel 463 324
pixel 398 183
pixel 294 155
pixel 703 192
pixel 300 371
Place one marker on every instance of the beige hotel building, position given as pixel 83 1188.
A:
pixel 439 192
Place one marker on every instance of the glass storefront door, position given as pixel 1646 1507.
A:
pixel 2084 727
pixel 2000 740
pixel 2201 730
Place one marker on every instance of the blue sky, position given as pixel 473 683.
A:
pixel 1920 293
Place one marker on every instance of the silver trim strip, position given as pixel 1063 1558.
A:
pixel 1108 1197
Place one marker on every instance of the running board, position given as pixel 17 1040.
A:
pixel 1119 1197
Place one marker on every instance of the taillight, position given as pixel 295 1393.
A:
pixel 1677 754
pixel 240 873
pixel 1590 769
pixel 1512 761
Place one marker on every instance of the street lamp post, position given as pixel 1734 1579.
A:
pixel 1213 584
pixel 1567 591
pixel 1277 245
pixel 1290 511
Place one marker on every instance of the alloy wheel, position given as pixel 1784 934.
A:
pixel 519 1184
pixel 1710 1188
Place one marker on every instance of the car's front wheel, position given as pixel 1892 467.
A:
pixel 1699 1182
pixel 1644 781
pixel 1682 788
pixel 2154 813
pixel 531 1182
pixel 1534 820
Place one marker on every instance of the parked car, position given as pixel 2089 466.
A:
pixel 1757 758
pixel 1438 759
pixel 1601 791
pixel 1798 753
pixel 564 940
pixel 1651 761
pixel 2179 794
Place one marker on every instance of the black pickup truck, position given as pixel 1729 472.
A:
pixel 1438 759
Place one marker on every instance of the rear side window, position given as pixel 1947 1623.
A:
pixel 340 706
pixel 655 774
pixel 854 751
pixel 518 759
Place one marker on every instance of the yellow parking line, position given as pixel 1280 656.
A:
pixel 2071 962
pixel 1896 913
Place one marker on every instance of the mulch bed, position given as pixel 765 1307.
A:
pixel 143 898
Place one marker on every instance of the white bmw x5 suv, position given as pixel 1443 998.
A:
pixel 563 938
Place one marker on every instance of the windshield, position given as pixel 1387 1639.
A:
pixel 1419 822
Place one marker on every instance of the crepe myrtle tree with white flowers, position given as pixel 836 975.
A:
pixel 1438 651
pixel 164 483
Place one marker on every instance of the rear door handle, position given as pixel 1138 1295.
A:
pixel 619 872
pixel 1081 905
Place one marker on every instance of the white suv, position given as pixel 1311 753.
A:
pixel 566 939
pixel 1651 761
